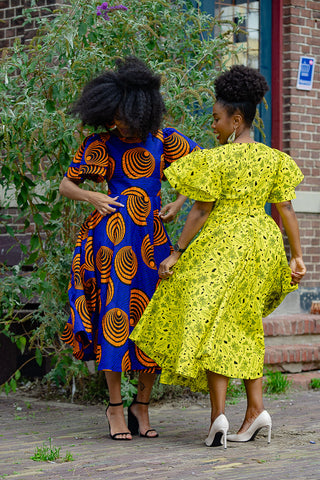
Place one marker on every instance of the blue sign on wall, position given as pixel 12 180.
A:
pixel 305 74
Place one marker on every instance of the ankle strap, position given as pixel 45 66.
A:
pixel 115 404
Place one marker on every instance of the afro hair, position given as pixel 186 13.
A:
pixel 131 91
pixel 241 88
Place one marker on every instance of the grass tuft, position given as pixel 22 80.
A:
pixel 315 383
pixel 276 382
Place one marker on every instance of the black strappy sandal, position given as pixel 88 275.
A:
pixel 115 436
pixel 133 423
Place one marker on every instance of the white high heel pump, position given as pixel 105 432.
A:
pixel 218 432
pixel 262 420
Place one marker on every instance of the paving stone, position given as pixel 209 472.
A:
pixel 178 453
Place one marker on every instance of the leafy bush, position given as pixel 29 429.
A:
pixel 38 83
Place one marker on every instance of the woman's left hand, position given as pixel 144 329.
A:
pixel 298 269
pixel 166 265
pixel 169 211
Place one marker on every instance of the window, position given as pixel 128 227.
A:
pixel 246 14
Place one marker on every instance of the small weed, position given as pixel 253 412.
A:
pixel 68 457
pixel 19 417
pixel 50 453
pixel 46 453
pixel 276 382
pixel 315 383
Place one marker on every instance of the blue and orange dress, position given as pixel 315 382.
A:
pixel 115 265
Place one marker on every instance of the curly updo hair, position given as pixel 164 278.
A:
pixel 130 92
pixel 241 88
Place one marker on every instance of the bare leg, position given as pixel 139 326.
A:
pixel 254 402
pixel 116 414
pixel 218 385
pixel 146 381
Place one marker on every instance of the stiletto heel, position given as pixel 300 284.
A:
pixel 116 435
pixel 218 432
pixel 262 420
pixel 133 422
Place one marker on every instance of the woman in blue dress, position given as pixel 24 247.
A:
pixel 121 244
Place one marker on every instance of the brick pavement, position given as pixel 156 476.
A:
pixel 179 452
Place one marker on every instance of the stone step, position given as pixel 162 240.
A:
pixel 302 380
pixel 292 342
pixel 304 326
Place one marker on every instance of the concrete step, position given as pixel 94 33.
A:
pixel 292 342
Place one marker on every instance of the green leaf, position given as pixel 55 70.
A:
pixel 9 230
pixel 34 241
pixel 17 375
pixel 32 258
pixel 82 30
pixel 6 172
pixel 50 106
pixel 7 388
pixel 42 207
pixel 29 182
pixel 39 357
pixel 21 343
pixel 13 384
pixel 38 219
pixel 24 248
pixel 56 213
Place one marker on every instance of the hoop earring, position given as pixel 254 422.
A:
pixel 232 137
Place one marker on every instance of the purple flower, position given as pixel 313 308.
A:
pixel 104 9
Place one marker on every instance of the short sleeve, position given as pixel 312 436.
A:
pixel 176 145
pixel 196 176
pixel 287 178
pixel 90 161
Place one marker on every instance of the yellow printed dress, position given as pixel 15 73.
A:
pixel 115 265
pixel 208 315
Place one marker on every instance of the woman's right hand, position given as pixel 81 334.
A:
pixel 103 203
pixel 166 265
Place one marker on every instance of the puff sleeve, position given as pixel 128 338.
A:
pixel 176 145
pixel 196 176
pixel 90 161
pixel 288 176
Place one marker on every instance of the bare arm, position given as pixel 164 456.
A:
pixel 103 203
pixel 291 227
pixel 196 219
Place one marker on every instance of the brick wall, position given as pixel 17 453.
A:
pixel 11 27
pixel 301 126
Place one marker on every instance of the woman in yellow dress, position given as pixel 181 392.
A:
pixel 204 323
